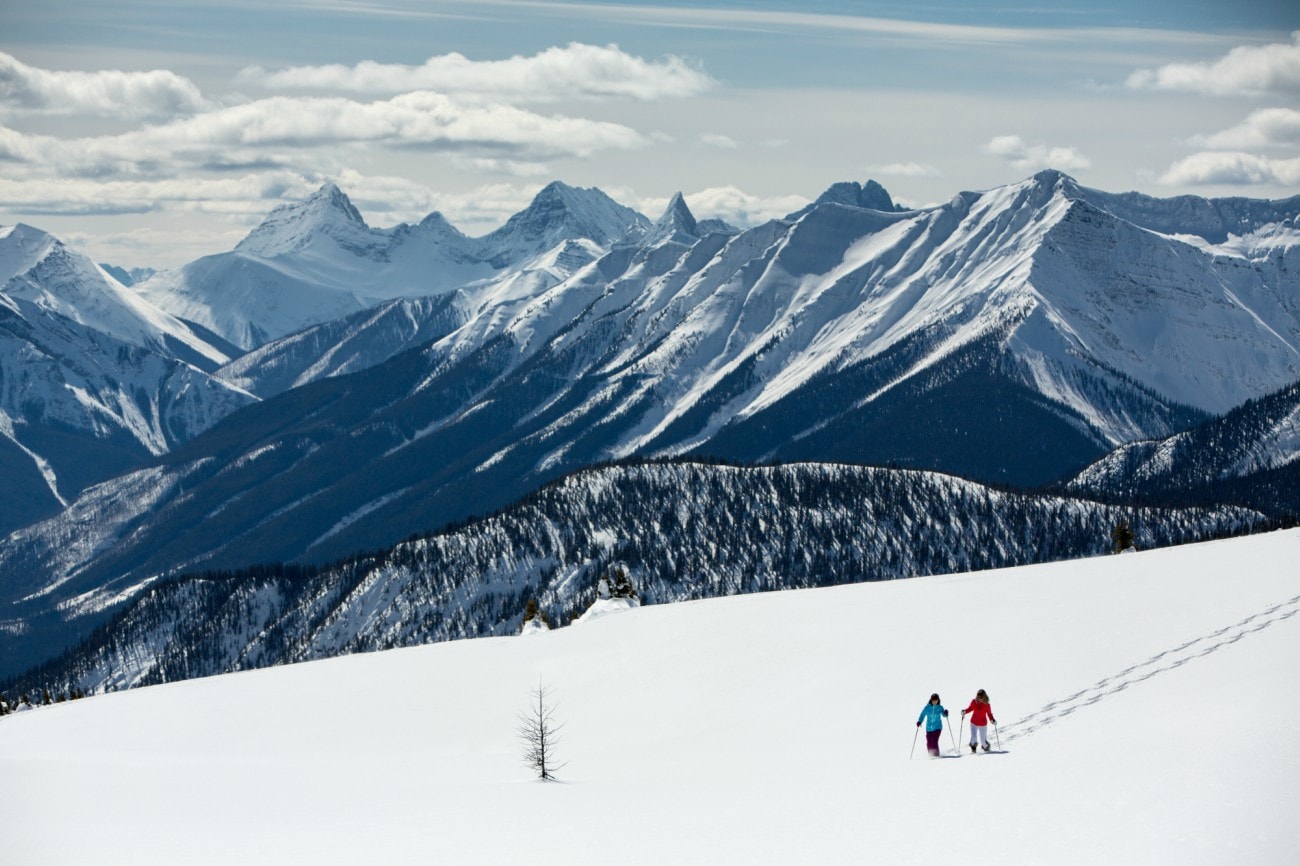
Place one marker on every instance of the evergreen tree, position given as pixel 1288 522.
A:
pixel 532 611
pixel 1121 536
pixel 623 583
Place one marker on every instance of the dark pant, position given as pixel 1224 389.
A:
pixel 932 741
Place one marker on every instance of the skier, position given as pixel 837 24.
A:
pixel 933 716
pixel 980 713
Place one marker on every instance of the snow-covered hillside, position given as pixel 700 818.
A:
pixel 1142 705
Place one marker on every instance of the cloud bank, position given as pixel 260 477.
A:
pixel 104 93
pixel 235 157
pixel 1267 127
pixel 1032 157
pixel 1232 168
pixel 735 205
pixel 1247 70
pixel 272 132
pixel 1233 157
pixel 574 71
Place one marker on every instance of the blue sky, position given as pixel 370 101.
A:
pixel 149 133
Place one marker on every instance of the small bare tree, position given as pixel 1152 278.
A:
pixel 539 734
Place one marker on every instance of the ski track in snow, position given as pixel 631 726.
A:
pixel 1159 663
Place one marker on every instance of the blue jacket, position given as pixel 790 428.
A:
pixel 933 716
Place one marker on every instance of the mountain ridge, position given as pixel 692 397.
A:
pixel 1012 336
pixel 317 260
pixel 688 531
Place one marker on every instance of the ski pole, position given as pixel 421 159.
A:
pixel 955 751
pixel 914 736
pixel 960 722
pixel 996 735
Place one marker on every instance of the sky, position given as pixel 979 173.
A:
pixel 148 133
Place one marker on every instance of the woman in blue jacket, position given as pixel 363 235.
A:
pixel 933 716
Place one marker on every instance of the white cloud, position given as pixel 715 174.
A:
pixel 713 139
pixel 108 92
pixel 904 169
pixel 1031 157
pixel 512 167
pixel 577 70
pixel 1244 71
pixel 732 204
pixel 1232 169
pixel 244 194
pixel 1267 127
pixel 274 131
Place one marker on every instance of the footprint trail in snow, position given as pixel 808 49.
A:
pixel 1159 663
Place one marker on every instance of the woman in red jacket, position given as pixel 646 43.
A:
pixel 980 713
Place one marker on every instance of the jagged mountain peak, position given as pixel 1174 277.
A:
pixel 1050 183
pixel 678 213
pixel 327 202
pixel 870 195
pixel 560 212
pixel 1055 178
pixel 39 268
pixel 436 222
pixel 21 247
pixel 290 227
pixel 677 223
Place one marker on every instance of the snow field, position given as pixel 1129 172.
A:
pixel 1145 706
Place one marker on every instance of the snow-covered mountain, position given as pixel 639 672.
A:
pixel 1012 336
pixel 767 730
pixel 317 260
pixel 688 531
pixel 39 270
pixel 93 379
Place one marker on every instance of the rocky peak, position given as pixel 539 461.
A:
pixel 290 227
pixel 677 223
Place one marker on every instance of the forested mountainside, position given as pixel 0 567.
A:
pixel 683 530
pixel 1248 457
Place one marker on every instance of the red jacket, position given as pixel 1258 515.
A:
pixel 979 713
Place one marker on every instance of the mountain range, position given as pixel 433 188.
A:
pixel 381 383
pixel 317 260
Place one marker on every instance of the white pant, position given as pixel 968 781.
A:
pixel 982 732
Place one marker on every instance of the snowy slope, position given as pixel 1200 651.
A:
pixel 1142 703
pixel 39 269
